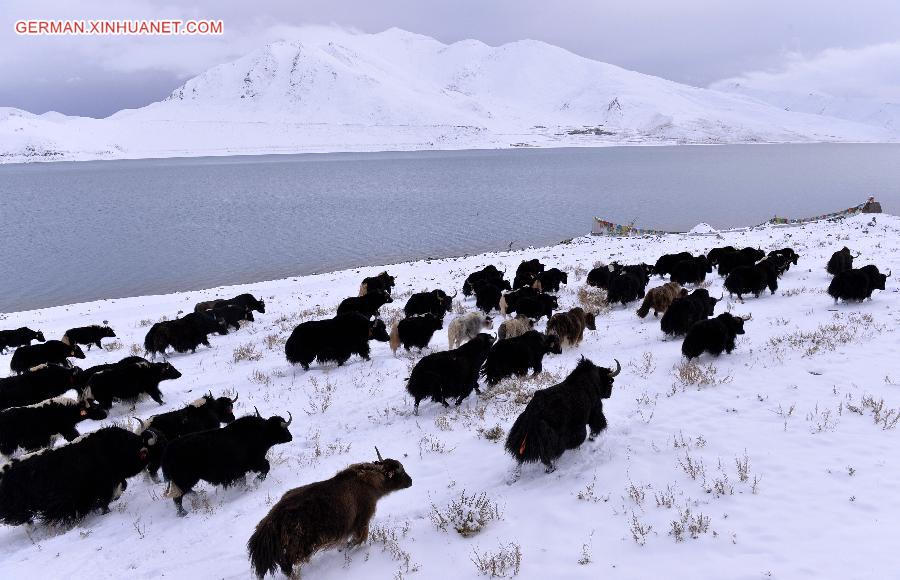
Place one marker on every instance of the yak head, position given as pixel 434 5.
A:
pixel 378 331
pixel 76 351
pixel 488 322
pixel 381 297
pixel 552 344
pixel 437 322
pixel 39 336
pixel 254 304
pixel 735 323
pixel 395 477
pixel 223 408
pixel 386 279
pixel 91 409
pixel 600 378
pixel 167 371
pixel 704 262
pixel 590 321
pixel 445 301
pixel 277 428
pixel 153 442
pixel 107 332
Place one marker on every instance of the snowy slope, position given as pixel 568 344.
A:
pixel 333 90
pixel 795 403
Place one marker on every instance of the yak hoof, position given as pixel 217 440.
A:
pixel 181 512
pixel 550 468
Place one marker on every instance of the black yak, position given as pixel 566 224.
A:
pixel 449 374
pixel 751 280
pixel 246 301
pixel 52 351
pixel 551 279
pixel 334 339
pixel 642 271
pixel 510 300
pixel 383 282
pixel 18 337
pixel 435 302
pixel 514 327
pixel 856 285
pixel 713 336
pixel 321 515
pixel 684 312
pixel 63 485
pixel 414 331
pixel 840 261
pixel 557 418
pixel 748 256
pixel 222 456
pixel 666 262
pixel 625 287
pixel 514 356
pixel 716 253
pixel 466 327
pixel 367 305
pixel 535 307
pixel 85 375
pixel 527 273
pixel 660 298
pixel 487 297
pixel 788 253
pixel 691 270
pixel 599 277
pixel 183 334
pixel 35 426
pixel 570 326
pixel 129 383
pixel 38 384
pixel 489 274
pixel 232 315
pixel 203 414
pixel 89 335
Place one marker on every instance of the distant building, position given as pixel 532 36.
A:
pixel 871 206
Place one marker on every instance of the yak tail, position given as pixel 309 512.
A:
pixel 173 491
pixel 502 304
pixel 644 310
pixel 264 547
pixel 363 288
pixel 65 339
pixel 531 439
pixel 395 336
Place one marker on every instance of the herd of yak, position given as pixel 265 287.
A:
pixel 66 483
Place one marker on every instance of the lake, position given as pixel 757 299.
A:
pixel 72 232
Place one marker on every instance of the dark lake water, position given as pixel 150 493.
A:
pixel 71 232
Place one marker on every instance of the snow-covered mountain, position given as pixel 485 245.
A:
pixel 334 90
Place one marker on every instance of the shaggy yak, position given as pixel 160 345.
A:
pixel 599 276
pixel 321 515
pixel 684 312
pixel 183 334
pixel 36 426
pixel 487 297
pixel 435 302
pixel 52 351
pixel 466 327
pixel 334 339
pixel 857 285
pixel 205 413
pixel 660 298
pixel 748 256
pixel 63 485
pixel 514 356
pixel 716 253
pixel 569 326
pixel 367 305
pixel 449 374
pixel 510 300
pixel 245 301
pixel 691 271
pixel 751 280
pixel 713 336
pixel 625 288
pixel 383 282
pixel 535 307
pixel 551 279
pixel 129 383
pixel 527 273
pixel 555 418
pixel 414 331
pixel 666 262
pixel 840 261
pixel 18 337
pixel 488 274
pixel 89 335
pixel 222 456
pixel 788 253
pixel 38 384
pixel 232 315
pixel 515 327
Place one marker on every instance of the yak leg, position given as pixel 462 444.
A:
pixel 551 466
pixel 98 345
pixel 263 468
pixel 596 422
pixel 155 394
pixel 179 507
pixel 538 367
pixel 70 434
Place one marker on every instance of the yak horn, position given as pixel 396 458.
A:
pixel 617 371
pixel 257 411
pixel 141 423
pixel 289 421
pixel 889 274
pixel 857 255
pixel 378 453
pixel 746 318
pixel 454 294
pixel 236 395
pixel 152 440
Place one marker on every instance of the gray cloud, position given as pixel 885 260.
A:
pixel 692 41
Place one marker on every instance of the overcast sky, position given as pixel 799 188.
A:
pixel 772 42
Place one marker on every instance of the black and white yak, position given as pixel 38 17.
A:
pixel 414 331
pixel 50 352
pixel 36 426
pixel 38 384
pixel 129 383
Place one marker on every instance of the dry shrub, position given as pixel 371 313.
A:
pixel 467 514
pixel 691 373
pixel 593 300
pixel 246 352
pixel 503 563
pixel 113 346
pixel 827 337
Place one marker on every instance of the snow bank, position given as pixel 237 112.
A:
pixel 765 463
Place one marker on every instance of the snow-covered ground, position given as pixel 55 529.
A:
pixel 334 90
pixel 779 460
